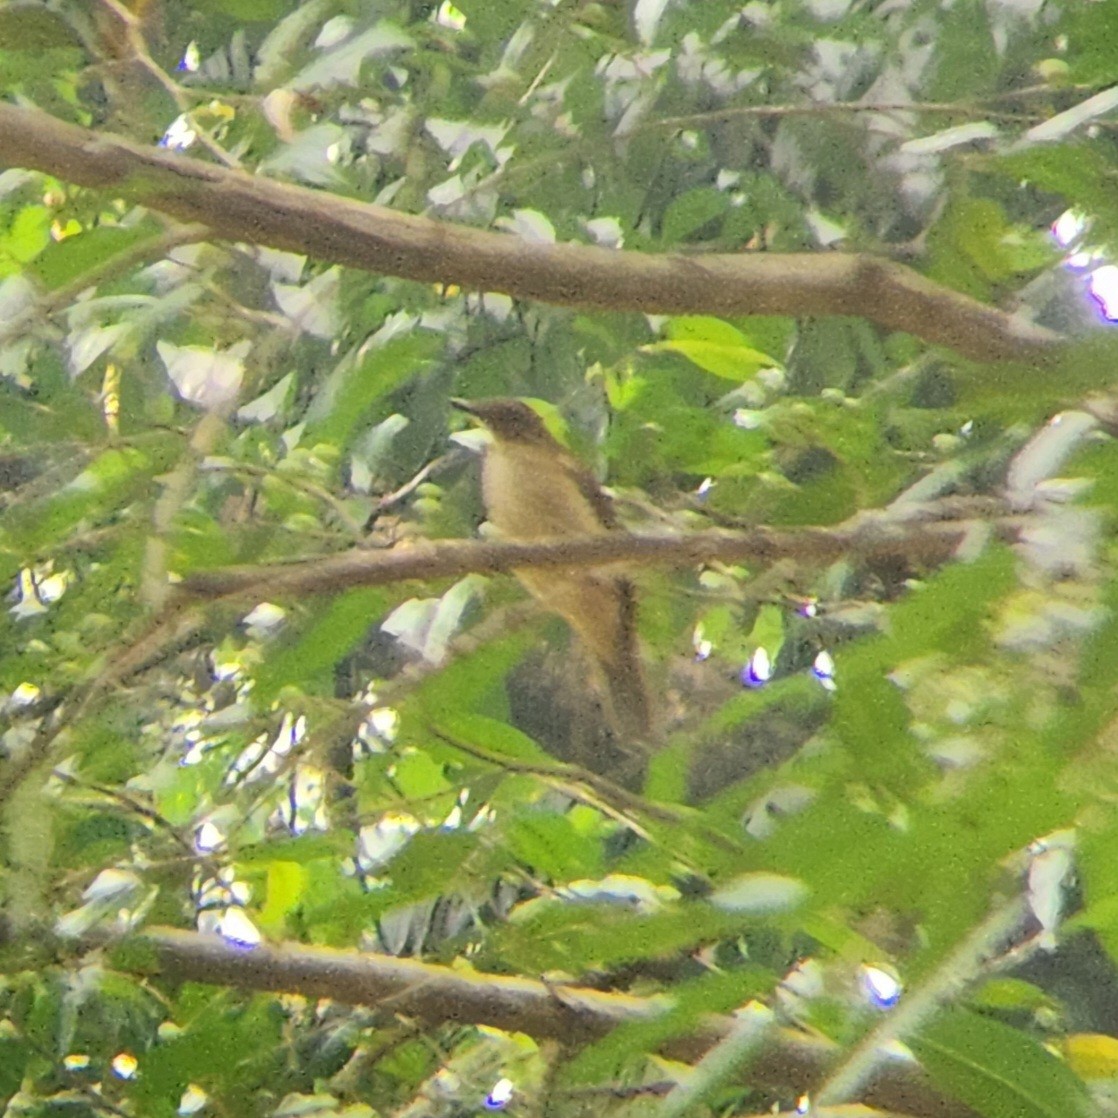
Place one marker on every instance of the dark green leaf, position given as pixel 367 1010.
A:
pixel 1000 1072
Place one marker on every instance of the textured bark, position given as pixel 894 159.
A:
pixel 869 536
pixel 237 206
pixel 791 1061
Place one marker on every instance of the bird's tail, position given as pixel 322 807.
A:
pixel 625 678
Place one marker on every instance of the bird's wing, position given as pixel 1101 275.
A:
pixel 592 490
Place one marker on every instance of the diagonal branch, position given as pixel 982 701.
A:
pixel 871 536
pixel 436 995
pixel 242 207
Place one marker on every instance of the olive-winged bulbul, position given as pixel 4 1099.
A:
pixel 534 489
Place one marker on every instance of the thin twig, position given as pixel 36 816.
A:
pixel 62 298
pixel 137 807
pixel 742 1041
pixel 568 779
pixel 965 964
pixel 436 466
pixel 154 585
pixel 128 656
pixel 303 485
pixel 835 108
pixel 137 45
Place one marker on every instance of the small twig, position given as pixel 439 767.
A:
pixel 145 811
pixel 965 964
pixel 62 298
pixel 309 488
pixel 836 108
pixel 154 585
pixel 570 777
pixel 619 1091
pixel 743 1039
pixel 125 659
pixel 137 45
pixel 436 466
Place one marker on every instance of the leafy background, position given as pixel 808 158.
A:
pixel 367 769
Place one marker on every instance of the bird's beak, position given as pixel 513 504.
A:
pixel 462 405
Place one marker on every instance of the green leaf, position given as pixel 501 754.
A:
pixel 431 864
pixel 249 11
pixel 691 1001
pixel 64 261
pixel 33 27
pixel 29 233
pixel 714 345
pixel 551 935
pixel 493 23
pixel 301 850
pixel 1076 170
pixel 489 734
pixel 348 394
pixel 553 847
pixel 309 659
pixel 691 211
pixel 14 1056
pixel 110 481
pixel 1091 30
pixel 229 1043
pixel 974 245
pixel 731 362
pixel 1000 1072
pixel 286 883
pixel 966 57
pixel 418 776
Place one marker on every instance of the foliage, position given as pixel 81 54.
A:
pixel 370 768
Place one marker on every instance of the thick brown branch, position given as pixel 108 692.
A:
pixel 437 995
pixel 242 207
pixel 869 536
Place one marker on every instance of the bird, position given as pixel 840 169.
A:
pixel 533 488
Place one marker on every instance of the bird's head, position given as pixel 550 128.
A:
pixel 508 419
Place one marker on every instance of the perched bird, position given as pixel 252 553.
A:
pixel 534 489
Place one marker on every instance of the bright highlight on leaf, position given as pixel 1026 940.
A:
pixel 760 893
pixel 25 694
pixel 759 670
pixel 450 17
pixel 180 134
pixel 125 1065
pixel 1069 227
pixel 208 838
pixel 1050 872
pixel 500 1095
pixel 204 376
pixel 235 926
pixel 881 985
pixel 38 588
pixel 192 1101
pixel 191 58
pixel 714 346
pixel 823 668
pixel 1092 1055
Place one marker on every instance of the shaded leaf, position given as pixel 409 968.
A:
pixel 1000 1072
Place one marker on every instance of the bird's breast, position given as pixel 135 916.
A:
pixel 530 493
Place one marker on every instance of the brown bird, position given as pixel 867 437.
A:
pixel 535 489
